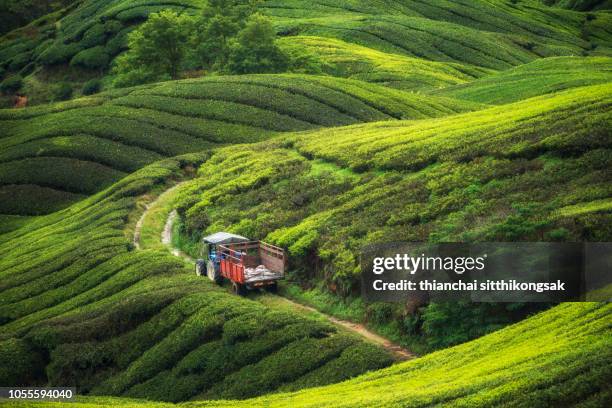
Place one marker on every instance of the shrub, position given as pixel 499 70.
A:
pixel 62 91
pixel 20 364
pixel 20 60
pixel 92 58
pixel 58 53
pixel 96 35
pixel 11 84
pixel 91 87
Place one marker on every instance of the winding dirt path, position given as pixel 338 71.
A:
pixel 398 352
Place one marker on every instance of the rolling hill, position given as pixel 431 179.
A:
pixel 393 70
pixel 559 358
pixel 433 179
pixel 80 306
pixel 440 121
pixel 544 76
pixel 84 38
pixel 61 153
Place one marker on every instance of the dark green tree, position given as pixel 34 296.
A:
pixel 220 21
pixel 157 48
pixel 254 50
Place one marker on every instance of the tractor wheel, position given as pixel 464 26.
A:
pixel 238 289
pixel 272 288
pixel 200 267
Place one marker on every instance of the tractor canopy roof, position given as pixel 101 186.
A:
pixel 224 238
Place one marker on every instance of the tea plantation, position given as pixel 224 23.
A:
pixel 440 121
pixel 540 77
pixel 58 153
pixel 398 71
pixel 79 306
pixel 81 41
pixel 558 358
pixel 502 173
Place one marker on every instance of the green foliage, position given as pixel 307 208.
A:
pixel 581 5
pixel 59 173
pixel 19 363
pixel 17 13
pixel 62 91
pixel 324 217
pixel 32 199
pixel 92 58
pixel 156 49
pixel 254 49
pixel 125 130
pixel 446 324
pixel 345 59
pixel 80 307
pixel 58 53
pixel 11 84
pixel 219 22
pixel 557 357
pixel 91 87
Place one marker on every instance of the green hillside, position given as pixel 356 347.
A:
pixel 435 179
pixel 487 34
pixel 540 77
pixel 79 306
pixel 58 153
pixel 558 358
pixel 392 121
pixel 80 42
pixel 394 70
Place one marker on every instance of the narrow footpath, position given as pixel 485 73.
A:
pixel 399 352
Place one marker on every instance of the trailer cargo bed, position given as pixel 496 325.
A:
pixel 253 263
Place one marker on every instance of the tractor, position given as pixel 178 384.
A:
pixel 245 263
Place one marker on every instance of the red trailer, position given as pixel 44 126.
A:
pixel 247 264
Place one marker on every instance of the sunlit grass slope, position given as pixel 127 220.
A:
pixel 80 307
pixel 53 155
pixel 570 121
pixel 540 77
pixel 561 357
pixel 370 65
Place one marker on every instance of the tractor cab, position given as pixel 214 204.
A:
pixel 209 264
